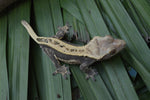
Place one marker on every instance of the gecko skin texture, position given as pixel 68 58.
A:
pixel 98 49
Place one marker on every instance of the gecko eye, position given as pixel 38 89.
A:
pixel 113 52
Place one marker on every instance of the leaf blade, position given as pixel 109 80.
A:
pixel 4 88
pixel 18 52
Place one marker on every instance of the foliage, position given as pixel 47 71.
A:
pixel 26 71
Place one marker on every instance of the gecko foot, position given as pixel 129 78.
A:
pixel 64 29
pixel 91 73
pixel 62 70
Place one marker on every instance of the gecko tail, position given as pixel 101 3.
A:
pixel 30 30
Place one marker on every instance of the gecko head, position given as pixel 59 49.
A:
pixel 112 46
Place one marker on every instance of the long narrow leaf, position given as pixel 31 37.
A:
pixel 143 7
pixel 32 85
pixel 131 10
pixel 18 52
pixel 4 89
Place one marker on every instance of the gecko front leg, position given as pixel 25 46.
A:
pixel 59 69
pixel 62 31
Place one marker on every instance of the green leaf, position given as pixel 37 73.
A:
pixel 133 13
pixel 4 89
pixel 32 87
pixel 18 52
pixel 143 7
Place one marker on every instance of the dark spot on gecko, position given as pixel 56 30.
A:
pixel 62 46
pixel 56 43
pixel 75 50
pixel 42 40
pixel 81 50
pixel 50 40
pixel 67 49
pixel 39 39
pixel 71 50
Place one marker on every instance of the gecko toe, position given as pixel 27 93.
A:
pixel 54 73
pixel 91 73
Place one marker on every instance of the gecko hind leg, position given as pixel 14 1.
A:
pixel 62 31
pixel 59 69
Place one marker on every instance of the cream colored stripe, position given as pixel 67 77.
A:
pixel 30 30
pixel 57 47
